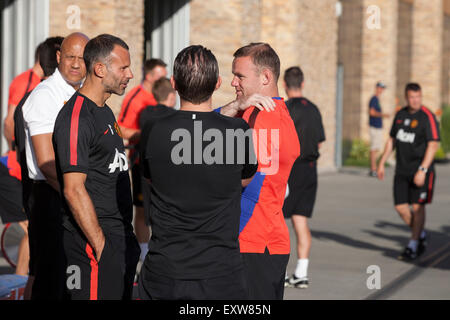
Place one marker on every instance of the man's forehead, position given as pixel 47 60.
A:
pixel 75 47
pixel 121 54
pixel 243 63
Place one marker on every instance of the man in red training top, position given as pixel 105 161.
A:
pixel 264 236
pixel 19 87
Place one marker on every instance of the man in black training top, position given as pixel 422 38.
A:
pixel 165 96
pixel 99 242
pixel 302 182
pixel 415 136
pixel 197 161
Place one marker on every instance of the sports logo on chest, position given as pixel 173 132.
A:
pixel 407 137
pixel 120 162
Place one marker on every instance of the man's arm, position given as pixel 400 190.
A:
pixel 376 114
pixel 387 152
pixel 45 157
pixel 8 130
pixel 83 210
pixel 235 107
pixel 419 177
pixel 130 134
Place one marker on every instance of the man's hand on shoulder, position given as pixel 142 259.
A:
pixel 257 100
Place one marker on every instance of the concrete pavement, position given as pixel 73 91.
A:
pixel 354 226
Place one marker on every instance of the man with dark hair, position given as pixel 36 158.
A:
pixel 39 114
pixel 303 178
pixel 264 236
pixel 138 99
pixel 19 87
pixel 21 187
pixel 415 136
pixel 92 170
pixel 195 194
pixel 165 96
pixel 376 126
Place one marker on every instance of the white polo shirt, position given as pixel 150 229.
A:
pixel 40 112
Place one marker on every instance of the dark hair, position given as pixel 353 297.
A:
pixel 47 54
pixel 263 56
pixel 412 86
pixel 195 72
pixel 294 78
pixel 161 89
pixel 151 64
pixel 99 48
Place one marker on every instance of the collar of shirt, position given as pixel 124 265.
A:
pixel 58 78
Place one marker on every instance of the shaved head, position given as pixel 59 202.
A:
pixel 74 39
pixel 70 59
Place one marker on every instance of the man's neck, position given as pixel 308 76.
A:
pixel 38 70
pixel 202 107
pixel 294 93
pixel 271 91
pixel 75 86
pixel 94 92
pixel 147 86
pixel 411 110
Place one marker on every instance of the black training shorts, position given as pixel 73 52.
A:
pixel 302 189
pixel 405 191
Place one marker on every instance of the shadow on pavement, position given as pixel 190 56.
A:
pixel 355 243
pixel 437 240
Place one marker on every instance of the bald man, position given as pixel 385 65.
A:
pixel 39 113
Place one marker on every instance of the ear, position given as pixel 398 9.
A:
pixel 172 82
pixel 58 56
pixel 219 83
pixel 284 85
pixel 266 76
pixel 303 85
pixel 99 70
pixel 147 76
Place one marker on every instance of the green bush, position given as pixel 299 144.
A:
pixel 445 128
pixel 440 154
pixel 359 154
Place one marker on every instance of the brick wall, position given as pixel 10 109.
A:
pixel 302 32
pixel 121 18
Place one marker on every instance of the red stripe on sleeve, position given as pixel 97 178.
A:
pixel 94 273
pixel 74 130
pixel 432 123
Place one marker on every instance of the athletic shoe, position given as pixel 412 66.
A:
pixel 408 255
pixel 373 174
pixel 294 282
pixel 286 281
pixel 422 246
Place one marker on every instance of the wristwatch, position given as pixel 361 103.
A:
pixel 423 169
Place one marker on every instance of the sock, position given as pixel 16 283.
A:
pixel 413 245
pixel 423 234
pixel 144 250
pixel 302 268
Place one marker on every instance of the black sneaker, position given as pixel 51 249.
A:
pixel 294 282
pixel 422 246
pixel 373 174
pixel 408 255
